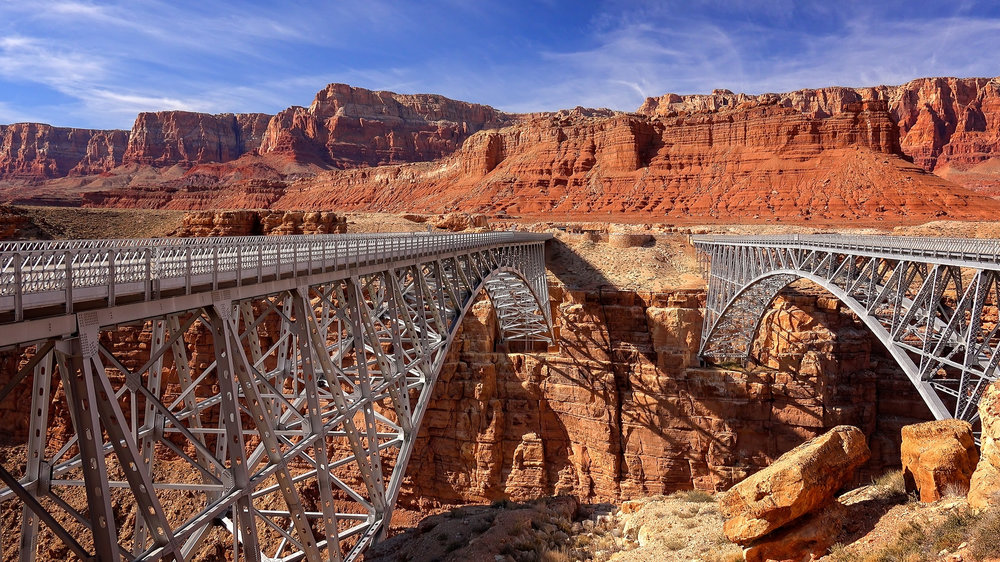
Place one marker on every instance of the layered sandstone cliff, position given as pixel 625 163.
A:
pixel 33 152
pixel 950 126
pixel 822 155
pixel 347 126
pixel 166 138
pixel 754 161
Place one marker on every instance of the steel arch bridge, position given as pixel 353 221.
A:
pixel 932 302
pixel 260 393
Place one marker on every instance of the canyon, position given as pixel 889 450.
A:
pixel 909 153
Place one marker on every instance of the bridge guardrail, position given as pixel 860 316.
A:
pixel 44 273
pixel 985 250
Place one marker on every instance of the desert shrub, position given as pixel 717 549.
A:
pixel 952 531
pixel 697 496
pixel 675 543
pixel 559 555
pixel 891 486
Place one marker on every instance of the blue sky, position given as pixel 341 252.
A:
pixel 97 64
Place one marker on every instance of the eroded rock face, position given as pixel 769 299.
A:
pixel 166 138
pixel 348 127
pixel 798 483
pixel 984 488
pixel 33 152
pixel 758 161
pixel 823 155
pixel 257 222
pixel 939 458
pixel 623 411
pixel 947 125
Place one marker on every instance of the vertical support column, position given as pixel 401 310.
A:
pixel 354 295
pixel 152 425
pixel 307 330
pixel 37 429
pixel 244 527
pixel 78 382
pixel 233 361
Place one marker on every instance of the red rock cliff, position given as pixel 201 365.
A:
pixel 33 151
pixel 165 138
pixel 347 126
pixel 757 159
pixel 950 126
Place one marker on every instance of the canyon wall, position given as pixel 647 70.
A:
pixel 622 410
pixel 950 126
pixel 348 127
pixel 759 161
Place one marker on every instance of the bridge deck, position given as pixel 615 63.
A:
pixel 51 279
pixel 962 252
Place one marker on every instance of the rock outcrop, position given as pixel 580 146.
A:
pixel 260 222
pixel 801 481
pixel 938 458
pixel 166 138
pixel 347 127
pixel 802 540
pixel 984 488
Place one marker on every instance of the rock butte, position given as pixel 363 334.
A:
pixel 905 153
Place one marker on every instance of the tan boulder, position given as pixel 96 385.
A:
pixel 806 539
pixel 800 481
pixel 984 488
pixel 938 458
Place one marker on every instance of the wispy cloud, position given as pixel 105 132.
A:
pixel 98 63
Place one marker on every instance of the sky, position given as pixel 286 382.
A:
pixel 77 63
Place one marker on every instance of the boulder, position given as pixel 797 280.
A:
pixel 805 539
pixel 984 488
pixel 799 482
pixel 938 458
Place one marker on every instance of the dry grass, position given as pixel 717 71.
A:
pixel 559 555
pixel 924 541
pixel 984 535
pixel 694 496
pixel 892 486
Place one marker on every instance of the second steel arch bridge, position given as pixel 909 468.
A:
pixel 932 302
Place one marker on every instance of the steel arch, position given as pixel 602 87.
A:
pixel 932 303
pixel 282 413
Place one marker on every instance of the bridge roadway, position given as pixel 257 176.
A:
pixel 932 302
pixel 263 393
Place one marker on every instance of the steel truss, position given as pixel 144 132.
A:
pixel 931 302
pixel 275 419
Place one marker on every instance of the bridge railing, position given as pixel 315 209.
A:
pixel 981 250
pixel 36 274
